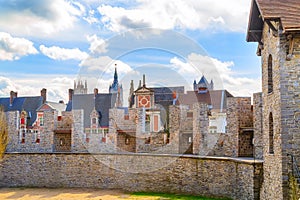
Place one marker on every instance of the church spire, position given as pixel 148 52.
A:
pixel 116 74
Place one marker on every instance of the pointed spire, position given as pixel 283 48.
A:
pixel 131 88
pixel 140 84
pixel 116 73
pixel 211 84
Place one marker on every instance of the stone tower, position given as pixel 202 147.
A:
pixel 203 85
pixel 276 28
pixel 80 88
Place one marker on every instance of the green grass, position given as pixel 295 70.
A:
pixel 164 196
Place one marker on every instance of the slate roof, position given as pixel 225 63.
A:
pixel 87 102
pixel 203 81
pixel 69 106
pixel 216 98
pixel 29 104
pixel 287 11
pixel 164 95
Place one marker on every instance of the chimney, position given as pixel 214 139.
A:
pixel 95 92
pixel 144 81
pixel 12 96
pixel 71 92
pixel 44 94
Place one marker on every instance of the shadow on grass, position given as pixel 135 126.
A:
pixel 165 196
pixel 58 193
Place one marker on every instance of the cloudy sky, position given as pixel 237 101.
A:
pixel 51 43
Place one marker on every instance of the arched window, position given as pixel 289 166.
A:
pixel 270 74
pixel 271 134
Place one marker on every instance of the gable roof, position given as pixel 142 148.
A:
pixel 60 107
pixel 87 102
pixel 29 104
pixel 286 11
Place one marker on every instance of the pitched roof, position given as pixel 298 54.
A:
pixel 69 106
pixel 29 104
pixel 216 98
pixel 60 107
pixel 164 95
pixel 102 103
pixel 287 11
pixel 203 80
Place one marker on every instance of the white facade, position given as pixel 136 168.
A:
pixel 217 123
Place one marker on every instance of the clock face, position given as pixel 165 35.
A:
pixel 144 101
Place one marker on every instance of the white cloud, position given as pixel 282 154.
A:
pixel 105 65
pixel 58 53
pixel 31 85
pixel 30 17
pixel 12 48
pixel 230 15
pixel 97 45
pixel 219 71
pixel 90 18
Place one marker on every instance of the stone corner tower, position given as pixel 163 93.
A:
pixel 276 29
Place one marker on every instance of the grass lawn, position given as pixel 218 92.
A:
pixel 86 194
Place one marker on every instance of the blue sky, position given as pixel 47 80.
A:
pixel 51 43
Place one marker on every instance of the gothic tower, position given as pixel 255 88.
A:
pixel 116 89
pixel 80 88
pixel 279 48
pixel 203 86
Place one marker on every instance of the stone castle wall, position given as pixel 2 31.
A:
pixel 45 134
pixel 273 183
pixel 200 129
pixel 217 177
pixel 283 102
pixel 239 116
pixel 257 125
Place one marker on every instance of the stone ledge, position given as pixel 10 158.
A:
pixel 238 160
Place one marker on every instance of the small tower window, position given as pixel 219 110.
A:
pixel 270 74
pixel 127 140
pixel 271 134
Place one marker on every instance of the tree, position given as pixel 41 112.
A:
pixel 3 133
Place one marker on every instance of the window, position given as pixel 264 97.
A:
pixel 22 136
pixel 147 123
pixel 87 137
pixel 189 114
pixel 62 141
pixel 37 136
pixel 127 140
pixel 270 74
pixel 41 119
pixel 271 134
pixel 190 140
